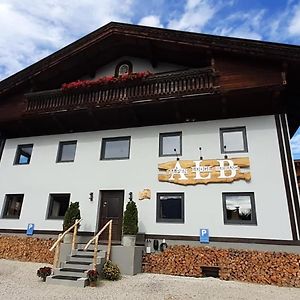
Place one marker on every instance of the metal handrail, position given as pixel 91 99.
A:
pixel 96 240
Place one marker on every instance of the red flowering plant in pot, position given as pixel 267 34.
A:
pixel 92 276
pixel 106 80
pixel 43 272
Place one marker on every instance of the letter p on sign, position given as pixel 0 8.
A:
pixel 204 236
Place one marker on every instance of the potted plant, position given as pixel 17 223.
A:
pixel 43 272
pixel 92 276
pixel 130 223
pixel 111 271
pixel 72 214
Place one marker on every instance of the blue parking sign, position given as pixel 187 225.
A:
pixel 30 229
pixel 204 236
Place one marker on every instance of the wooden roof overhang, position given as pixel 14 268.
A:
pixel 84 56
pixel 175 97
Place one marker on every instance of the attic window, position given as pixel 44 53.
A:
pixel 123 68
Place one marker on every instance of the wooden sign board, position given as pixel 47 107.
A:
pixel 192 172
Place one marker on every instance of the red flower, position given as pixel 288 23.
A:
pixel 86 84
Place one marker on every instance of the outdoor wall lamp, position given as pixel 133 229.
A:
pixel 91 197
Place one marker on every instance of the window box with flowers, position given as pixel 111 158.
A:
pixel 106 80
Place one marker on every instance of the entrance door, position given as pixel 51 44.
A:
pixel 111 208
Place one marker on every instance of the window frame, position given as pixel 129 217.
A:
pixel 167 134
pixel 5 207
pixel 60 151
pixel 123 62
pixel 164 220
pixel 111 139
pixel 253 220
pixel 234 129
pixel 50 205
pixel 18 154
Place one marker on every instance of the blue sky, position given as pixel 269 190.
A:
pixel 33 29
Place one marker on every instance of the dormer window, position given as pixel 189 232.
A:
pixel 123 68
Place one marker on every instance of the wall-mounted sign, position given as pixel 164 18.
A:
pixel 191 172
pixel 145 194
pixel 30 229
pixel 204 236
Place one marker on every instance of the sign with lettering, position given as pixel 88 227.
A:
pixel 30 229
pixel 191 172
pixel 204 236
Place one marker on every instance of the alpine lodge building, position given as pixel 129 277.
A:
pixel 194 128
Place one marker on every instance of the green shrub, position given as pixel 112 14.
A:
pixel 130 221
pixel 111 271
pixel 72 214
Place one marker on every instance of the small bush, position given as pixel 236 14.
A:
pixel 130 220
pixel 44 272
pixel 92 275
pixel 111 271
pixel 72 214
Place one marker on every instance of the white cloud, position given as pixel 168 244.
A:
pixel 151 20
pixel 294 25
pixel 242 24
pixel 30 31
pixel 196 14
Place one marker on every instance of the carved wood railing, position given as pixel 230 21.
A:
pixel 96 240
pixel 56 245
pixel 156 87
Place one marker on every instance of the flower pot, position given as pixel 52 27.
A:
pixel 68 238
pixel 93 283
pixel 128 240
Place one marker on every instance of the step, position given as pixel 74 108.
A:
pixel 72 262
pixel 73 281
pixel 70 272
pixel 77 266
pixel 80 258
pixel 100 253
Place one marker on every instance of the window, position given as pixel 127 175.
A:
pixel 170 207
pixel 12 206
pixel 23 154
pixel 66 151
pixel 58 205
pixel 115 148
pixel 123 68
pixel 233 140
pixel 170 144
pixel 239 208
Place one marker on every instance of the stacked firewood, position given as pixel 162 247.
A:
pixel 276 268
pixel 26 249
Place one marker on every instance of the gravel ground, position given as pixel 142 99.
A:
pixel 18 280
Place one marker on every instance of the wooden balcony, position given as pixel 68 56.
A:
pixel 158 87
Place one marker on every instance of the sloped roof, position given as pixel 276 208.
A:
pixel 207 42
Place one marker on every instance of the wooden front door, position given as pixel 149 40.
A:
pixel 111 208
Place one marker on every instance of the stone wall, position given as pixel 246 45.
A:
pixel 276 268
pixel 26 249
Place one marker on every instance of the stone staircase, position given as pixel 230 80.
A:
pixel 73 270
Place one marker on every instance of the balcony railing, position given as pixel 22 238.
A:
pixel 154 88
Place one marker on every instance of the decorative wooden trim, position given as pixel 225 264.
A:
pixel 293 181
pixel 224 239
pixel 285 178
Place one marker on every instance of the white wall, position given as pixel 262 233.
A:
pixel 138 65
pixel 203 203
